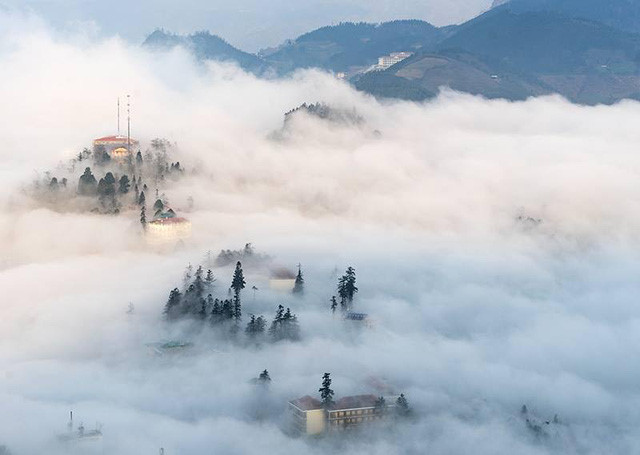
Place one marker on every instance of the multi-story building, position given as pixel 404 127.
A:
pixel 116 146
pixel 309 416
pixel 387 61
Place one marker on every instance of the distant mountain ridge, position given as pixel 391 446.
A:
pixel 205 46
pixel 517 49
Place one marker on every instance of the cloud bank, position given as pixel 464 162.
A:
pixel 478 307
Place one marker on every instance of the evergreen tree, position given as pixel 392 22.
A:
pixel 139 158
pixel 347 288
pixel 380 406
pixel 402 406
pixel 53 184
pixel 289 326
pixel 198 282
pixel 209 280
pixel 203 309
pixel 227 310
pixel 87 185
pixel 158 206
pixel 334 304
pixel 255 327
pixel 142 200
pixel 188 273
pixel 216 312
pixel 326 394
pixel 124 185
pixel 264 377
pixel 275 330
pixel 143 217
pixel 172 308
pixel 237 284
pixel 298 287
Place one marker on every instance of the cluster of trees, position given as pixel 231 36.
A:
pixel 347 290
pixel 122 181
pixel 108 189
pixel 197 303
pixel 247 255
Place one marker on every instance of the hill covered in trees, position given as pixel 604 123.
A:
pixel 587 51
pixel 205 46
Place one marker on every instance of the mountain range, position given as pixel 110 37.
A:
pixel 585 50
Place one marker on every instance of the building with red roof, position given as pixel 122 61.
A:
pixel 118 147
pixel 309 416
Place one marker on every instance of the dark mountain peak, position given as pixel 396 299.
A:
pixel 205 46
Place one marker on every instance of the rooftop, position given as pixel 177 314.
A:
pixel 307 403
pixel 116 139
pixel 355 401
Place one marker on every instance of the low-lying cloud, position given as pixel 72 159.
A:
pixel 495 245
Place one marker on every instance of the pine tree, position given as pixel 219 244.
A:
pixel 142 200
pixel 402 406
pixel 172 308
pixel 347 288
pixel 237 284
pixel 143 217
pixel 124 185
pixel 203 309
pixel 188 273
pixel 380 406
pixel 289 326
pixel 209 280
pixel 326 394
pixel 87 184
pixel 334 304
pixel 264 377
pixel 275 331
pixel 255 327
pixel 158 206
pixel 198 282
pixel 216 311
pixel 298 287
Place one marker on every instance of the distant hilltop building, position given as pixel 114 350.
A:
pixel 167 227
pixel 309 417
pixel 118 147
pixel 387 61
pixel 282 279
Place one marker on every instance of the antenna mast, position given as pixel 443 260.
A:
pixel 128 124
pixel 118 116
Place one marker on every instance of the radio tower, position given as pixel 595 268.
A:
pixel 118 116
pixel 129 124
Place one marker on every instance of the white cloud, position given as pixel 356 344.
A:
pixel 476 312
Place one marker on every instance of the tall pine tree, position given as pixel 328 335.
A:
pixel 347 288
pixel 326 394
pixel 237 284
pixel 298 287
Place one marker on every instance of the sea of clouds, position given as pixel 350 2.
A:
pixel 479 307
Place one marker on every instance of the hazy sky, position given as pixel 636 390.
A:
pixel 250 24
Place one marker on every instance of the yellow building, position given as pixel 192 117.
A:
pixel 310 418
pixel 116 146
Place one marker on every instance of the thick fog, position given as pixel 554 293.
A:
pixel 495 246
